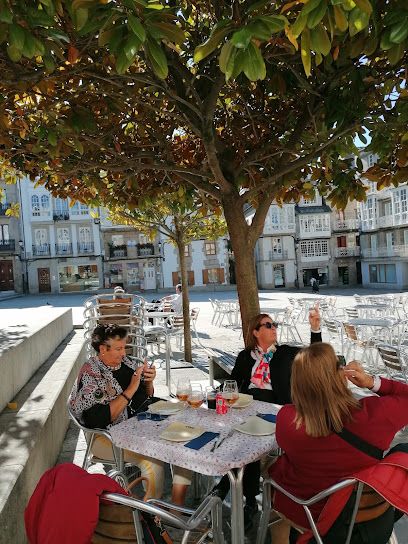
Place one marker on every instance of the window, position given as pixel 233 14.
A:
pixel 213 275
pixel 35 205
pixel 45 205
pixel 61 207
pixel 341 241
pixel 383 273
pixel 314 248
pixel 4 234
pixel 40 237
pixel 318 223
pixel 63 236
pixel 187 251
pixel 210 248
pixel 79 209
pixel 117 240
pixel 343 273
pixel 309 202
pixel 277 246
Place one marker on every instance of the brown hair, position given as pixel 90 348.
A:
pixel 319 391
pixel 250 340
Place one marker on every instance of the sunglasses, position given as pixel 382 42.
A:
pixel 268 325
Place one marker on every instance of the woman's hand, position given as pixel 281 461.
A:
pixel 314 318
pixel 134 382
pixel 357 375
pixel 149 372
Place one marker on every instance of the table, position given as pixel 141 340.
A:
pixel 230 458
pixel 372 323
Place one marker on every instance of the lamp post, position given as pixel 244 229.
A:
pixel 162 258
pixel 23 258
pixel 97 222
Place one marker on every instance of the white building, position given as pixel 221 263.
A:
pixel 60 245
pixel 384 235
pixel 11 270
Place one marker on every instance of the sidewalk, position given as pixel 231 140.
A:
pixel 227 339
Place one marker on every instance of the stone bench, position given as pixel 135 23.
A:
pixel 32 433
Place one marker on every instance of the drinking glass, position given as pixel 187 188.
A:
pixel 183 389
pixel 230 392
pixel 211 394
pixel 196 396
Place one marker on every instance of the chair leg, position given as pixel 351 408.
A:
pixel 88 453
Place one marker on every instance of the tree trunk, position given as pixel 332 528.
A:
pixel 243 242
pixel 186 301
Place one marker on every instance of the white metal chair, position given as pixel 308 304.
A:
pixel 354 341
pixel 209 512
pixel 306 503
pixel 116 462
pixel 287 326
pixel 334 330
pixel 395 361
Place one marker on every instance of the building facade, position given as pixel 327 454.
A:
pixel 384 234
pixel 60 249
pixel 11 270
pixel 309 240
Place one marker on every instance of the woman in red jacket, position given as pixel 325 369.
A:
pixel 316 456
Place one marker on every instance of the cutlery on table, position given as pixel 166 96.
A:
pixel 221 440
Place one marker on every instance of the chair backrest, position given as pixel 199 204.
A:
pixel 391 357
pixel 306 503
pixel 176 322
pixel 351 332
pixel 351 312
pixel 194 313
pixel 331 325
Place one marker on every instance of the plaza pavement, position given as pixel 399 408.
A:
pixel 226 338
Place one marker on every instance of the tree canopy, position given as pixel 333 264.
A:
pixel 181 219
pixel 246 101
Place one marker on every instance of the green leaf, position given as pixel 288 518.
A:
pixel 14 53
pixel 131 47
pixel 226 51
pixel 52 138
pixel 123 62
pixel 169 32
pixel 222 29
pixel 399 32
pixel 5 14
pixel 137 28
pixel 157 58
pixel 259 29
pixel 241 38
pixel 319 40
pixel 254 64
pixel 115 39
pixel 16 36
pixel 80 17
pixel 396 53
pixel 386 43
pixel 364 5
pixel 310 6
pixel 316 15
pixel 305 52
pixel 57 35
pixel 299 24
pixel 257 5
pixel 49 63
pixel 275 23
pixel 358 21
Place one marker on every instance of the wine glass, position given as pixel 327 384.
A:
pixel 196 396
pixel 183 389
pixel 230 392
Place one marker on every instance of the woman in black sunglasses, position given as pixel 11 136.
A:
pixel 263 370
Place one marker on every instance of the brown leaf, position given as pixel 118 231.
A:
pixel 73 54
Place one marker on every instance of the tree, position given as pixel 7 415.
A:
pixel 181 218
pixel 246 101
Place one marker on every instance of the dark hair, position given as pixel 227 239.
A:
pixel 179 287
pixel 102 333
pixel 251 340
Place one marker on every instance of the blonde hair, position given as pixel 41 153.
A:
pixel 319 391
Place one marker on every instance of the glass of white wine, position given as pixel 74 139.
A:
pixel 230 392
pixel 183 390
pixel 196 396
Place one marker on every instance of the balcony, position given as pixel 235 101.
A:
pixel 85 248
pixel 347 251
pixel 346 224
pixel 7 245
pixel 145 250
pixel 117 252
pixel 4 207
pixel 41 250
pixel 60 216
pixel 278 255
pixel 392 251
pixel 63 249
pixel 385 221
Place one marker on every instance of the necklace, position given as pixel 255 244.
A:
pixel 112 368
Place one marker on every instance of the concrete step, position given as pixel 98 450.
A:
pixel 31 436
pixel 27 338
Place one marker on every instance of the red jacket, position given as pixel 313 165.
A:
pixel 64 507
pixel 312 464
pixel 389 477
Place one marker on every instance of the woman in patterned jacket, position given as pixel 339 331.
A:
pixel 108 390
